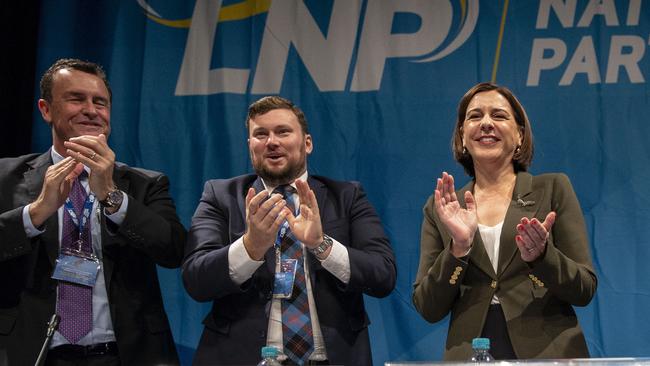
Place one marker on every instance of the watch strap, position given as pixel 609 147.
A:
pixel 323 246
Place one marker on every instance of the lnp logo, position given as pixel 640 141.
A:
pixel 327 57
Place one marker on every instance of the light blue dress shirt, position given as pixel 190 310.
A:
pixel 102 324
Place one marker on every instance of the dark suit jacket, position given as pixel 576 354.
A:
pixel 536 298
pixel 235 329
pixel 150 234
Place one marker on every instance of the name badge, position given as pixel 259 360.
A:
pixel 79 270
pixel 283 285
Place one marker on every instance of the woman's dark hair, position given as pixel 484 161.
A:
pixel 523 155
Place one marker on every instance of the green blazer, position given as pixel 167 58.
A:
pixel 536 297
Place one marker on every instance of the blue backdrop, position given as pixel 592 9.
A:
pixel 379 81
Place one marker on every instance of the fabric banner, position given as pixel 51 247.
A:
pixel 379 82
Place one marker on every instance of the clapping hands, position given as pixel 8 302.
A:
pixel 532 236
pixel 460 222
pixel 307 225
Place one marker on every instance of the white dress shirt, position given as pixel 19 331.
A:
pixel 242 267
pixel 491 236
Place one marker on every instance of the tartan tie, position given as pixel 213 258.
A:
pixel 297 333
pixel 74 302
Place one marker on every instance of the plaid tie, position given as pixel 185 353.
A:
pixel 74 303
pixel 297 333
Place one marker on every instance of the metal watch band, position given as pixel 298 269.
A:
pixel 323 246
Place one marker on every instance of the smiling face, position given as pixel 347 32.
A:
pixel 490 132
pixel 80 105
pixel 278 146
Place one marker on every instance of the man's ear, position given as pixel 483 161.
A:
pixel 309 144
pixel 44 108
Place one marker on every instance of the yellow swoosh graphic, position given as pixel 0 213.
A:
pixel 497 54
pixel 463 8
pixel 243 10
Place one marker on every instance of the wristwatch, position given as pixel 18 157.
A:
pixel 322 247
pixel 113 199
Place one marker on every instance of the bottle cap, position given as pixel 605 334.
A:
pixel 269 351
pixel 481 343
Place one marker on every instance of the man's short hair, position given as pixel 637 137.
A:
pixel 74 64
pixel 267 104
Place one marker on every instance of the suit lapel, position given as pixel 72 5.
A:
pixel 269 256
pixel 478 253
pixel 320 191
pixel 34 179
pixel 108 256
pixel 524 203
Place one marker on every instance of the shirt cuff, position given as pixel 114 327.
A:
pixel 464 257
pixel 338 262
pixel 240 265
pixel 118 216
pixel 30 229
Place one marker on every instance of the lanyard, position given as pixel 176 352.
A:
pixel 278 239
pixel 87 209
pixel 283 231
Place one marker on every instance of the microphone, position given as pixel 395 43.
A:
pixel 51 327
pixel 53 324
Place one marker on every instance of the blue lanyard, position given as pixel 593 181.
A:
pixel 87 209
pixel 283 229
pixel 281 233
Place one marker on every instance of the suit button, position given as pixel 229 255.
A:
pixel 493 284
pixel 452 281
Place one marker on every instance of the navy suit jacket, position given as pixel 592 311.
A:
pixel 150 234
pixel 235 329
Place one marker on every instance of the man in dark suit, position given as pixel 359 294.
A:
pixel 127 224
pixel 237 257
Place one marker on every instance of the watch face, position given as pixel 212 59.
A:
pixel 114 198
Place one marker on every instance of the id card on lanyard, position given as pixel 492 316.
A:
pixel 73 264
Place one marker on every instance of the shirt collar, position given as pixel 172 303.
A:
pixel 303 178
pixel 56 158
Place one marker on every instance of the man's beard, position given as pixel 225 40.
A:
pixel 284 176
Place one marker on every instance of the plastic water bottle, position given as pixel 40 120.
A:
pixel 269 357
pixel 481 348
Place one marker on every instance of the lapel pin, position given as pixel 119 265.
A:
pixel 523 203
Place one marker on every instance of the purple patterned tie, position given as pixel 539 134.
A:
pixel 297 332
pixel 74 303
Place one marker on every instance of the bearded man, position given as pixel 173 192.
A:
pixel 284 256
